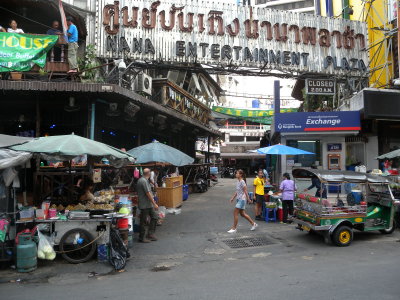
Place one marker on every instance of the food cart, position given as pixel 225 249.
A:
pixel 171 196
pixel 76 229
pixel 362 202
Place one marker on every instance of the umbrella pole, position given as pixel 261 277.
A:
pixel 72 180
pixel 24 192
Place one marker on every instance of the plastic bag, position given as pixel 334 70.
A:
pixel 136 173
pixel 45 249
pixel 118 251
pixel 8 175
pixel 162 211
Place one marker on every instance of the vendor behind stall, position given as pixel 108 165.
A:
pixel 87 195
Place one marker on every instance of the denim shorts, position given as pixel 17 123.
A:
pixel 241 204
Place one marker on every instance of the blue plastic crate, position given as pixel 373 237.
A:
pixel 214 170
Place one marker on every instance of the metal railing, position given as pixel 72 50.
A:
pixel 327 209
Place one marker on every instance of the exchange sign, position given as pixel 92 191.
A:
pixel 227 35
pixel 320 86
pixel 318 121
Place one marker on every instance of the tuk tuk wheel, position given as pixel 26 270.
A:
pixel 342 236
pixel 390 229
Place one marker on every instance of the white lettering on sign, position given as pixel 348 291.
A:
pixel 319 83
pixel 224 34
pixel 320 121
pixel 320 86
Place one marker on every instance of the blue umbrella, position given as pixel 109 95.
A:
pixel 158 152
pixel 282 150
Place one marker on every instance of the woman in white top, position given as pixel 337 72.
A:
pixel 14 27
pixel 241 196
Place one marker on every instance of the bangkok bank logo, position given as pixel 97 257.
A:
pixel 280 126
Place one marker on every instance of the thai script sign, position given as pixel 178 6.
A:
pixel 318 121
pixel 20 52
pixel 227 35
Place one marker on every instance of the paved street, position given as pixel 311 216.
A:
pixel 191 261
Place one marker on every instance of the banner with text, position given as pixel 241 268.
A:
pixel 20 52
pixel 257 116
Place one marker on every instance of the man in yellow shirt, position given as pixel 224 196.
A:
pixel 258 184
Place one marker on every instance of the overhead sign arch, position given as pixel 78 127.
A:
pixel 227 35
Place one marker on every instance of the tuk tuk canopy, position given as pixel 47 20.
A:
pixel 338 176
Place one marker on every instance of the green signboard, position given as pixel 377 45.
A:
pixel 20 52
pixel 258 116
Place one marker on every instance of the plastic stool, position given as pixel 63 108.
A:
pixel 267 216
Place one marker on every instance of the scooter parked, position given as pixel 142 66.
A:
pixel 228 172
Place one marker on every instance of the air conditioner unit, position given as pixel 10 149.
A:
pixel 143 84
pixel 113 110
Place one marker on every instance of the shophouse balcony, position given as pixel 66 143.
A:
pixel 173 96
pixel 56 59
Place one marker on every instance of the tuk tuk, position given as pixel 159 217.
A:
pixel 352 201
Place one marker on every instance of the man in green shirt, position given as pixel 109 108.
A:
pixel 147 207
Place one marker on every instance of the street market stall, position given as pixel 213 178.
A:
pixel 170 194
pixel 10 161
pixel 274 206
pixel 76 229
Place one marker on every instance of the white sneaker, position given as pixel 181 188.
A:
pixel 254 227
pixel 232 230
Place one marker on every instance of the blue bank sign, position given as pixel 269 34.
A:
pixel 318 121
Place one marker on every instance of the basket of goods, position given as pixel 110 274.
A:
pixel 27 214
pixel 270 204
pixel 104 196
pixel 99 209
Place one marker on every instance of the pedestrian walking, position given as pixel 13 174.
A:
pixel 241 195
pixel 287 187
pixel 147 207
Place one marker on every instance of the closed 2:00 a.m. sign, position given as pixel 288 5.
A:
pixel 320 86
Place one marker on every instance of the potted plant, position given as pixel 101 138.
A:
pixel 43 74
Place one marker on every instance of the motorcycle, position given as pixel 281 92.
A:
pixel 201 182
pixel 228 172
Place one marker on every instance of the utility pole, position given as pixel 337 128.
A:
pixel 398 33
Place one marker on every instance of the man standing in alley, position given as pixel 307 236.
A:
pixel 72 34
pixel 147 207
